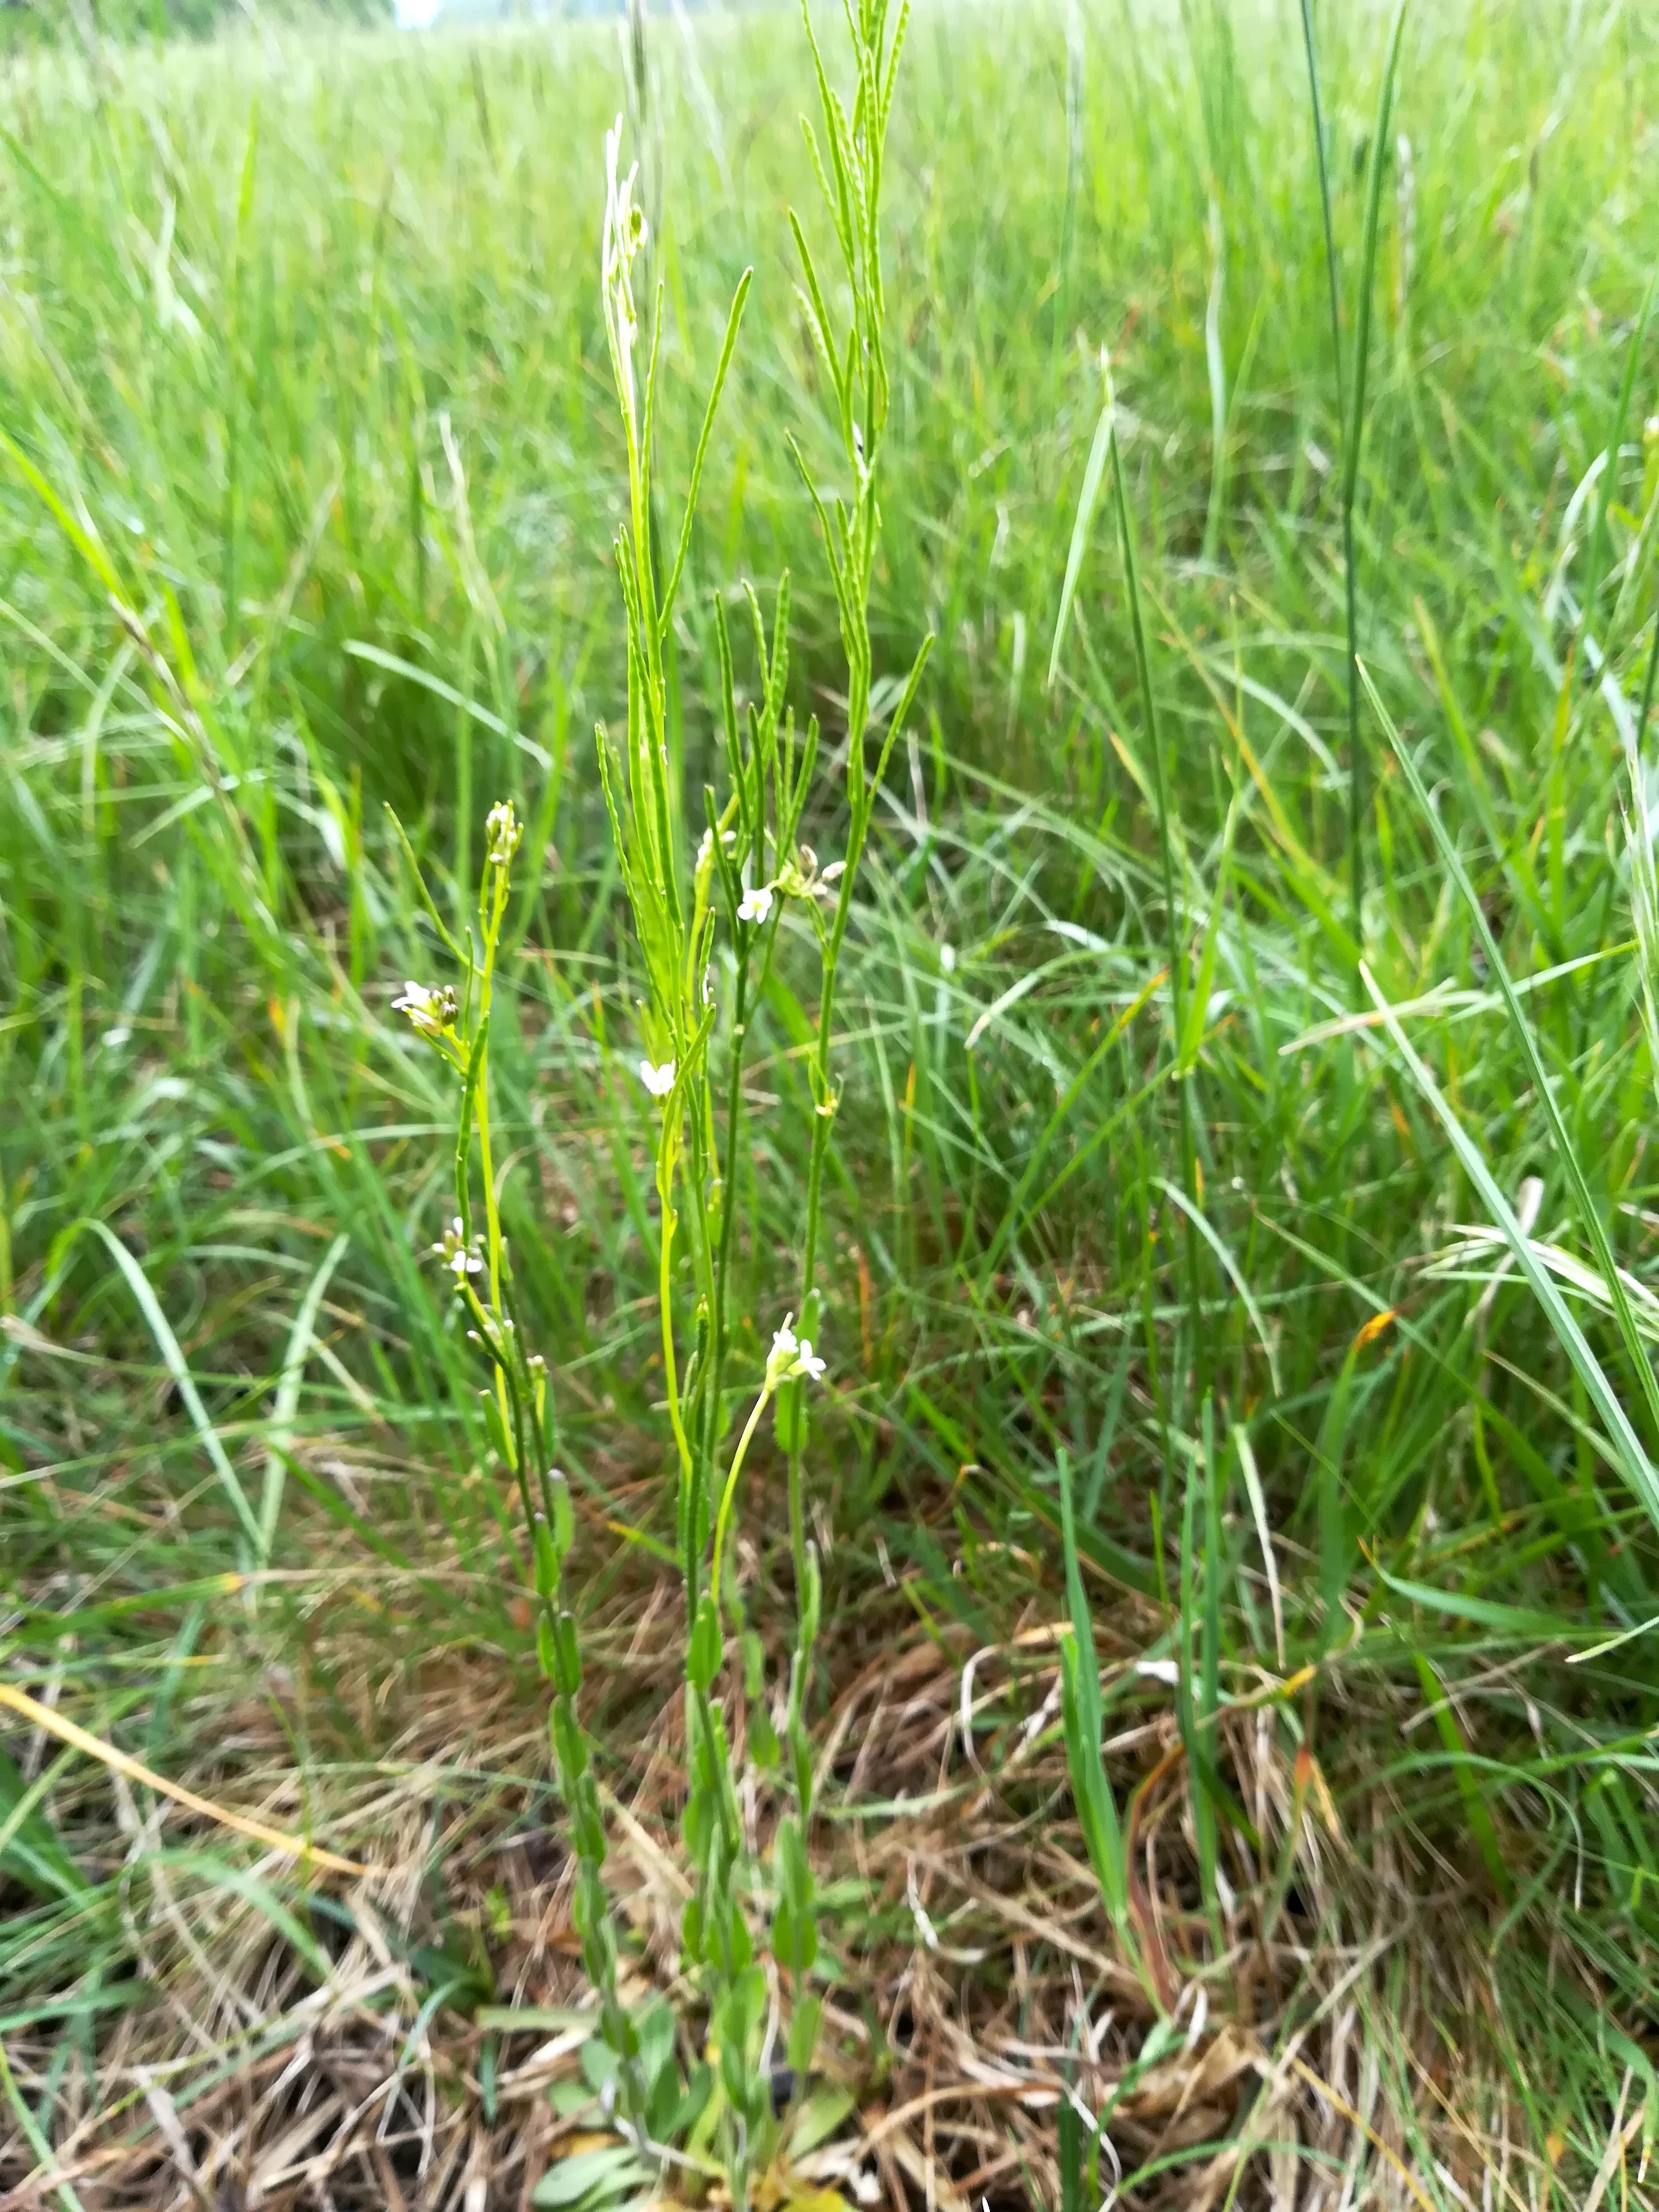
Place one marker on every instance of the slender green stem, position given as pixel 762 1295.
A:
pixel 1350 422
pixel 728 1215
pixel 1647 689
pixel 1174 933
pixel 728 1495
pixel 1356 862
pixel 666 1163
pixel 824 1114
pixel 1325 204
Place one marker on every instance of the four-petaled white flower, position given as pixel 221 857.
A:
pixel 460 1258
pixel 756 904
pixel 431 1007
pixel 659 1081
pixel 791 1356
pixel 504 829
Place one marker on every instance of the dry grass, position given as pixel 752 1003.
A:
pixel 978 1983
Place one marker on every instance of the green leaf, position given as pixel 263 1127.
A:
pixel 592 2176
pixel 1093 476
pixel 173 1359
pixel 817 2120
pixel 30 1851
pixel 1631 1459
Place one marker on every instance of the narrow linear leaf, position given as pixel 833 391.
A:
pixel 173 1359
pixel 1632 1458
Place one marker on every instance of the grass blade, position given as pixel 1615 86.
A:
pixel 1598 544
pixel 1589 1213
pixel 1080 1707
pixel 1087 501
pixel 173 1359
pixel 288 1394
pixel 1626 1445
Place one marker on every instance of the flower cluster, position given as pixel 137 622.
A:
pixel 802 877
pixel 799 877
pixel 461 1258
pixel 431 1007
pixel 791 1356
pixel 504 829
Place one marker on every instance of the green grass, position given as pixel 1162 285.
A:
pixel 307 502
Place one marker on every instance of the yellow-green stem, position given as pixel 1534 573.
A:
pixel 670 1373
pixel 728 1495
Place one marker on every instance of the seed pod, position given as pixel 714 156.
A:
pixel 569 1749
pixel 704 1651
pixel 569 1675
pixel 547 1562
pixel 564 1518
pixel 497 1427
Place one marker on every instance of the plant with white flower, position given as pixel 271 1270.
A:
pixel 683 889
pixel 515 1405
pixel 801 877
pixel 503 830
pixel 459 1252
pixel 791 1356
pixel 432 1008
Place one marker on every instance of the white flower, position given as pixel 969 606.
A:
pixel 461 1258
pixel 791 1356
pixel 780 1360
pixel 802 877
pixel 431 1007
pixel 756 905
pixel 659 1081
pixel 504 830
pixel 947 958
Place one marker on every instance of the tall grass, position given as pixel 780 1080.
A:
pixel 1289 1354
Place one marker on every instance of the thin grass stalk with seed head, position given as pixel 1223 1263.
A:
pixel 854 359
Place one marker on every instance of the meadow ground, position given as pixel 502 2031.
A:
pixel 311 475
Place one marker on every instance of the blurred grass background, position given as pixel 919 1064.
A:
pixel 305 506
